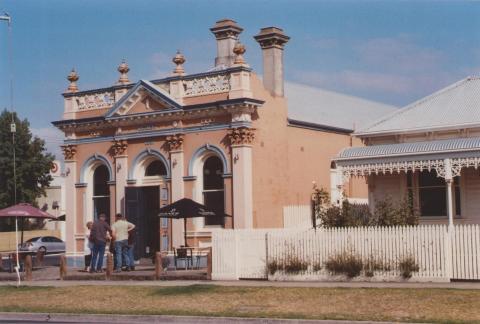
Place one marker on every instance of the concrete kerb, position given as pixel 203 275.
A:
pixel 254 283
pixel 110 318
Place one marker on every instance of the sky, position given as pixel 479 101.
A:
pixel 393 52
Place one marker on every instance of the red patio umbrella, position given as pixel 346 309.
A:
pixel 24 210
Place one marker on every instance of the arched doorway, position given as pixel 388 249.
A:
pixel 213 189
pixel 101 191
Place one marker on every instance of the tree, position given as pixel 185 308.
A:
pixel 33 163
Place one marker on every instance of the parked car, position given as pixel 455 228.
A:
pixel 45 244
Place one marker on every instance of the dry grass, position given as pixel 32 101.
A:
pixel 419 305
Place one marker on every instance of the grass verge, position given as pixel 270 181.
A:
pixel 376 304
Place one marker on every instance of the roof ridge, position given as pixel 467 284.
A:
pixel 419 101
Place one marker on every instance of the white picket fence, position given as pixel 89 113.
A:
pixel 239 254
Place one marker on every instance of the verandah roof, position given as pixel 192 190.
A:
pixel 426 155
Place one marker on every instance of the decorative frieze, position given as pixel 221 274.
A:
pixel 69 151
pixel 95 101
pixel 119 147
pixel 241 135
pixel 175 142
pixel 439 165
pixel 207 85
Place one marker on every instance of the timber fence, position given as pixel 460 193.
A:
pixel 434 253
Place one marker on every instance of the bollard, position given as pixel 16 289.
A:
pixel 28 268
pixel 158 265
pixel 209 264
pixel 63 267
pixel 109 271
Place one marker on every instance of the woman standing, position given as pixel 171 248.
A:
pixel 88 247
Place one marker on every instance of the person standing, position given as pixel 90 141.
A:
pixel 98 235
pixel 120 231
pixel 87 250
pixel 131 246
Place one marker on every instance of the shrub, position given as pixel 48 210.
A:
pixel 295 265
pixel 407 266
pixel 317 266
pixel 274 266
pixel 291 265
pixel 345 263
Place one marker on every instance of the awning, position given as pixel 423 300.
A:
pixel 453 154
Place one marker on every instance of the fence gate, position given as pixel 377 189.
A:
pixel 251 254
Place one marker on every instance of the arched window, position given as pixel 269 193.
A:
pixel 101 191
pixel 213 190
pixel 155 168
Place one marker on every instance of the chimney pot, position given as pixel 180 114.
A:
pixel 226 32
pixel 272 40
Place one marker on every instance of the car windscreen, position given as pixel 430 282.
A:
pixel 33 239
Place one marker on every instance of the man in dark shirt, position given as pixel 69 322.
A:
pixel 98 236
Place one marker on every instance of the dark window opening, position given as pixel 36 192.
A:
pixel 101 192
pixel 213 190
pixel 156 168
pixel 433 194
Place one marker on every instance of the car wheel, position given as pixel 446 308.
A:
pixel 43 250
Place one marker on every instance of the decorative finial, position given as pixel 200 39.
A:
pixel 179 59
pixel 73 78
pixel 123 69
pixel 239 49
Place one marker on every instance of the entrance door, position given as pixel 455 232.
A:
pixel 142 204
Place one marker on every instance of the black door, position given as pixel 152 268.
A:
pixel 142 204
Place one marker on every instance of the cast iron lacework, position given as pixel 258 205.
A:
pixel 403 166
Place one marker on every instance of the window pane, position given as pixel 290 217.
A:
pixel 433 201
pixel 214 201
pixel 212 173
pixel 100 179
pixel 429 179
pixel 101 205
pixel 156 168
pixel 458 207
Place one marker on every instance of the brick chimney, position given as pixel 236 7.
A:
pixel 226 32
pixel 272 41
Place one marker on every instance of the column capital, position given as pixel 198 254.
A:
pixel 175 142
pixel 241 136
pixel 119 147
pixel 69 151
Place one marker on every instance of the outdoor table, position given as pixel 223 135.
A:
pixel 185 256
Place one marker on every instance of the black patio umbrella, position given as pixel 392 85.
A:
pixel 186 208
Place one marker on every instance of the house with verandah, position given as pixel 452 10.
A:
pixel 428 150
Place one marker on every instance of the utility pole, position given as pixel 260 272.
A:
pixel 13 128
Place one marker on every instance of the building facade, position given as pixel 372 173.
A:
pixel 223 138
pixel 428 151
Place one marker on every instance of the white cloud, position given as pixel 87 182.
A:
pixel 396 69
pixel 53 139
pixel 399 54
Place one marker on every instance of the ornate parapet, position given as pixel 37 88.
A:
pixel 95 100
pixel 175 142
pixel 207 85
pixel 119 147
pixel 241 136
pixel 69 151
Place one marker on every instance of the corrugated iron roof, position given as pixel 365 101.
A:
pixel 420 148
pixel 325 107
pixel 454 106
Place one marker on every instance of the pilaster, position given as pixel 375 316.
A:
pixel 119 149
pixel 241 139
pixel 175 145
pixel 69 152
